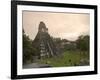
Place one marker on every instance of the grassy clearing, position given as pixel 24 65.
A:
pixel 68 58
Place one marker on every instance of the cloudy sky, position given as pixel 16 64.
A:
pixel 64 25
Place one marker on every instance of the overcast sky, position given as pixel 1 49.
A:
pixel 64 25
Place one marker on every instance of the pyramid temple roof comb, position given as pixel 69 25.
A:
pixel 42 25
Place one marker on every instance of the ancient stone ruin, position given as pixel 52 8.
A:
pixel 44 43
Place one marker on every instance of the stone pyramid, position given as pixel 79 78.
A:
pixel 44 43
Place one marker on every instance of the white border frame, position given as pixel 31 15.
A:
pixel 21 71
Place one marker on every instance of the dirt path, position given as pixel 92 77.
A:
pixel 36 65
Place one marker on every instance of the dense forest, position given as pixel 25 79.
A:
pixel 28 50
pixel 78 50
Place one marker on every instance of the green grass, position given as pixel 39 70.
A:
pixel 68 58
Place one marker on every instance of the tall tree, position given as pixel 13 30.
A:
pixel 83 43
pixel 28 50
